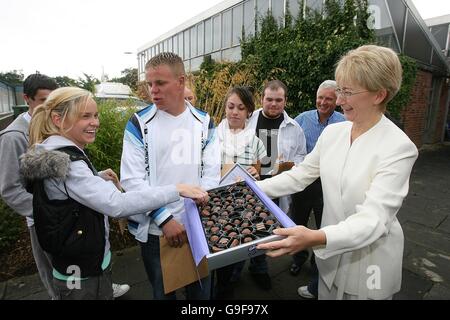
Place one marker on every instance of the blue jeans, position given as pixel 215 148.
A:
pixel 152 263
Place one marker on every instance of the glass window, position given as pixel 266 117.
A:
pixel 226 29
pixel 315 5
pixel 164 46
pixel 217 56
pixel 187 47
pixel 181 45
pixel 170 45
pixel 217 38
pixel 237 24
pixel 200 39
pixel 294 8
pixel 440 32
pixel 208 36
pixel 416 43
pixel 193 35
pixel 232 54
pixel 262 6
pixel 398 13
pixel 195 63
pixel 249 17
pixel 175 44
pixel 278 9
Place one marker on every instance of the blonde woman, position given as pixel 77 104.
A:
pixel 364 165
pixel 65 184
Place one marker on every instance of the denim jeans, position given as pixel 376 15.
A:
pixel 152 263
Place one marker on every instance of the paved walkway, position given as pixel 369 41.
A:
pixel 425 218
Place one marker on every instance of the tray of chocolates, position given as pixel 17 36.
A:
pixel 235 215
pixel 228 228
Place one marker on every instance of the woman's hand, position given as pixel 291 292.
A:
pixel 194 192
pixel 297 239
pixel 253 172
pixel 110 175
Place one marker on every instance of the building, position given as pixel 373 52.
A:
pixel 217 31
pixel 9 96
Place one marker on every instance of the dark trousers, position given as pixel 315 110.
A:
pixel 302 203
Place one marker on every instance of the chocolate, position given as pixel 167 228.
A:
pixel 248 239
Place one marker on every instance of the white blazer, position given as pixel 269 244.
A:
pixel 364 185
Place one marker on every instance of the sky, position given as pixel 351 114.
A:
pixel 72 37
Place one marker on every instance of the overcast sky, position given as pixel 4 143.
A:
pixel 69 37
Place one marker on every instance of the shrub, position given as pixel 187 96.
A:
pixel 10 226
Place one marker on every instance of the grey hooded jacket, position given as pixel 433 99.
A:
pixel 14 143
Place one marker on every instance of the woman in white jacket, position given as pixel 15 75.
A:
pixel 68 120
pixel 364 164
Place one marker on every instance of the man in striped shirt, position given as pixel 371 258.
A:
pixel 313 123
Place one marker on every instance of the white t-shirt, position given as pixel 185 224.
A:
pixel 174 148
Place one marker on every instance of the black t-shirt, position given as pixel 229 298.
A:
pixel 267 131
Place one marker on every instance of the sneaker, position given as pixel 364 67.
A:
pixel 119 289
pixel 262 280
pixel 304 293
pixel 295 269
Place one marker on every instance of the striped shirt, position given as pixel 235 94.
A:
pixel 310 123
pixel 254 151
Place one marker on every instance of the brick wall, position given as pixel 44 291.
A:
pixel 441 120
pixel 413 116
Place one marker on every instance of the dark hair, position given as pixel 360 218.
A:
pixel 37 81
pixel 275 85
pixel 245 94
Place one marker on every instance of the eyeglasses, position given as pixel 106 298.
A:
pixel 345 93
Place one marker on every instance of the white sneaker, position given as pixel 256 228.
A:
pixel 304 293
pixel 119 289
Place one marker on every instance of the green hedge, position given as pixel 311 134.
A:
pixel 10 226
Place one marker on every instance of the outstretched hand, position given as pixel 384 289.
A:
pixel 110 175
pixel 194 192
pixel 297 239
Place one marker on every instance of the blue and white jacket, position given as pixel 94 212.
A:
pixel 138 165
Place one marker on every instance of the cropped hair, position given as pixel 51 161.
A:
pixel 67 102
pixel 37 81
pixel 328 84
pixel 245 94
pixel 275 85
pixel 373 68
pixel 169 59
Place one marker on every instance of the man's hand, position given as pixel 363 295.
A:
pixel 174 233
pixel 253 172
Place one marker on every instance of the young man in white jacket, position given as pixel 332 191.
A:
pixel 285 142
pixel 168 142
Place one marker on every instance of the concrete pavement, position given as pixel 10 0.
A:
pixel 425 218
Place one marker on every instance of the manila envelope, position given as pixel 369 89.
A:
pixel 281 167
pixel 178 266
pixel 225 168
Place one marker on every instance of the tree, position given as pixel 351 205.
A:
pixel 88 83
pixel 64 81
pixel 14 77
pixel 129 77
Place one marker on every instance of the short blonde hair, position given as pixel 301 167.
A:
pixel 373 68
pixel 68 102
pixel 169 59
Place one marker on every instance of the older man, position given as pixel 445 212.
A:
pixel 313 122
